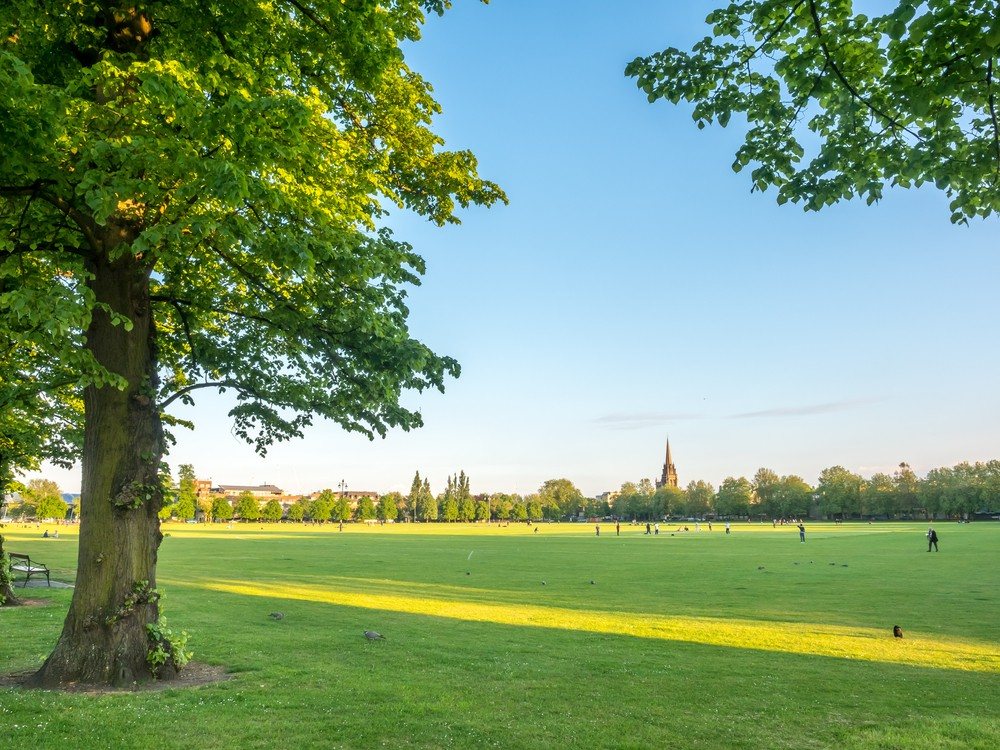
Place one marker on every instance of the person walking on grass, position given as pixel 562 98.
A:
pixel 802 533
pixel 597 529
pixel 932 539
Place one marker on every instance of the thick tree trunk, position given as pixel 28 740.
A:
pixel 104 639
pixel 7 596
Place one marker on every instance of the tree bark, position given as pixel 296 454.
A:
pixel 104 640
pixel 7 596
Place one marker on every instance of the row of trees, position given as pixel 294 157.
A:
pixel 964 489
pixel 960 490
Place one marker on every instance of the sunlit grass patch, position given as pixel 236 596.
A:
pixel 786 637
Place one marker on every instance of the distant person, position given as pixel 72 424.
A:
pixel 727 527
pixel 802 532
pixel 648 529
pixel 656 529
pixel 597 529
pixel 46 535
pixel 932 540
pixel 55 534
pixel 618 528
pixel 709 525
pixel 341 526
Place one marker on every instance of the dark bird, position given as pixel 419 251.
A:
pixel 468 572
pixel 897 631
pixel 543 583
pixel 276 616
pixel 760 567
pixel 371 635
pixel 593 582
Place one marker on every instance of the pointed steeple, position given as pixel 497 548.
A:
pixel 669 476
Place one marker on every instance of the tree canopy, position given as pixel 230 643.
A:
pixel 841 104
pixel 193 195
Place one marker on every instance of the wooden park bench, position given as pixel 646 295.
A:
pixel 23 564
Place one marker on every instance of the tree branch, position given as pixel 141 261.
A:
pixel 993 113
pixel 817 25
pixel 176 304
pixel 310 14
pixel 215 384
pixel 36 189
pixel 776 29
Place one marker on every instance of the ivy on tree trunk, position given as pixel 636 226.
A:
pixel 7 596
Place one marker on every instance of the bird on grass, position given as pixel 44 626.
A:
pixel 276 616
pixel 371 635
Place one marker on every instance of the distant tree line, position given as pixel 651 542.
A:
pixel 961 490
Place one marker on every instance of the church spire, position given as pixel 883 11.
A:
pixel 669 476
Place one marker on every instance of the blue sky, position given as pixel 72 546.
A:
pixel 635 289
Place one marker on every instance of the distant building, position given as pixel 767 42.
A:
pixel 203 489
pixel 669 476
pixel 265 491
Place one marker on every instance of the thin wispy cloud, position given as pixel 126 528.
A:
pixel 639 420
pixel 831 407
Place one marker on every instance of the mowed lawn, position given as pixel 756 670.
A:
pixel 497 636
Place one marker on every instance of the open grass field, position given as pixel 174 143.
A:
pixel 693 640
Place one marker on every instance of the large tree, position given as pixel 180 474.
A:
pixel 765 490
pixel 840 104
pixel 247 507
pixel 699 497
pixel 45 497
pixel 734 497
pixel 560 497
pixel 839 492
pixel 187 494
pixel 202 186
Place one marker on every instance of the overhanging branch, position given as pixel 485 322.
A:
pixel 820 36
pixel 215 384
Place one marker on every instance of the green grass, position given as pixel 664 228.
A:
pixel 695 640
